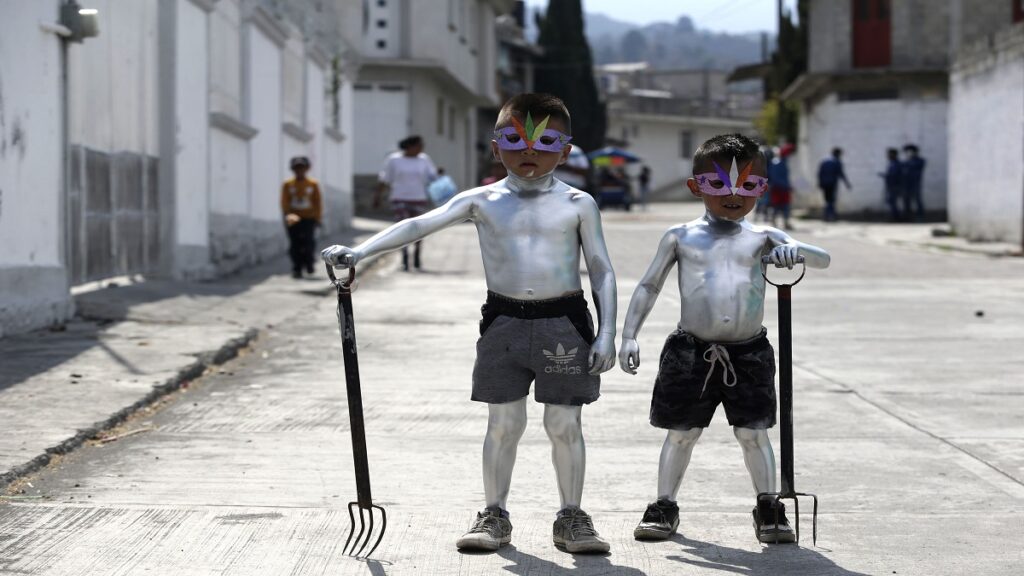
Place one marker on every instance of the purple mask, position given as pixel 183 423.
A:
pixel 539 137
pixel 719 183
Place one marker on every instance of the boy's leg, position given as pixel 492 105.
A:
pixel 568 451
pixel 505 426
pixel 758 456
pixel 294 244
pixel 573 530
pixel 675 457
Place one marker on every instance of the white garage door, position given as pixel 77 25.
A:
pixel 381 119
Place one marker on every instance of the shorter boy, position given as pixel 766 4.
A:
pixel 720 353
pixel 302 208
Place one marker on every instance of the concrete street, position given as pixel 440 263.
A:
pixel 908 411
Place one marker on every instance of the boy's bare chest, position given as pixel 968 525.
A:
pixel 707 253
pixel 538 218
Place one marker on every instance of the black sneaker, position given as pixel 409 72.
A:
pixel 574 532
pixel 491 530
pixel 765 528
pixel 660 521
pixel 296 273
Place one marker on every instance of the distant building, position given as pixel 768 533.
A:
pixel 427 66
pixel 662 116
pixel 986 120
pixel 164 151
pixel 877 78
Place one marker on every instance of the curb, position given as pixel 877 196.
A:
pixel 194 370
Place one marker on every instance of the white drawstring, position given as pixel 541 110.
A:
pixel 716 353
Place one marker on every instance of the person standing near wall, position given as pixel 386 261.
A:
pixel 830 172
pixel 913 174
pixel 406 174
pixel 780 189
pixel 894 184
pixel 302 207
pixel 645 184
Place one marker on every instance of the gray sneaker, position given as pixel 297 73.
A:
pixel 574 532
pixel 490 531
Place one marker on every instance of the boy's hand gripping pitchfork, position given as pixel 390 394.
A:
pixel 355 414
pixel 786 401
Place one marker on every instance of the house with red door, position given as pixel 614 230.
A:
pixel 877 78
pixel 946 75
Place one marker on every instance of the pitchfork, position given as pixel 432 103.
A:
pixel 355 414
pixel 786 402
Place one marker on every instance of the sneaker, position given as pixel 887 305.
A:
pixel 574 532
pixel 765 528
pixel 296 273
pixel 490 531
pixel 660 521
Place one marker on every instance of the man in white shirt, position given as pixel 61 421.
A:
pixel 407 173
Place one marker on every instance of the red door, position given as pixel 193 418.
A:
pixel 1018 10
pixel 872 34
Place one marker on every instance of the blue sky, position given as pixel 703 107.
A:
pixel 719 15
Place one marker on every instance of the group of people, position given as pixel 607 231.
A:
pixel 536 329
pixel 903 183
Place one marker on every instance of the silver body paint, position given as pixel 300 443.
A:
pixel 531 233
pixel 721 295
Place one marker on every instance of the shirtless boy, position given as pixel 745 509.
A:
pixel 720 353
pixel 535 326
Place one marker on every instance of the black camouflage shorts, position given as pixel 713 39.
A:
pixel 695 376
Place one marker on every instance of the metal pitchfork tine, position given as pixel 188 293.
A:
pixel 354 546
pixel 788 491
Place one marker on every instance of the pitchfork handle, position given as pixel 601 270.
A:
pixel 785 293
pixel 355 396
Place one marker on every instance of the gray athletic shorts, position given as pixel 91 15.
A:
pixel 547 341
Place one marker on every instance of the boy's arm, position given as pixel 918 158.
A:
pixel 785 250
pixel 644 296
pixel 405 232
pixel 602 284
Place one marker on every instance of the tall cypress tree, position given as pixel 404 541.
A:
pixel 567 71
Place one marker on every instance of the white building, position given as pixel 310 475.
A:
pixel 164 151
pixel 986 120
pixel 662 116
pixel 427 65
pixel 877 78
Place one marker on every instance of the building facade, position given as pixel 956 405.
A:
pixel 986 120
pixel 158 148
pixel 662 116
pixel 427 66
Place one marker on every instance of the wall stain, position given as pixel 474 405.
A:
pixel 18 137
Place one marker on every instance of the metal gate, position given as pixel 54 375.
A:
pixel 113 214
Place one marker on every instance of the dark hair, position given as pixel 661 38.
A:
pixel 297 161
pixel 723 148
pixel 410 141
pixel 837 152
pixel 539 105
pixel 893 153
pixel 911 148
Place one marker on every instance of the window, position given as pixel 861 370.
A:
pixel 451 122
pixel 686 144
pixel 382 23
pixel 382 3
pixel 872 34
pixel 440 116
pixel 382 44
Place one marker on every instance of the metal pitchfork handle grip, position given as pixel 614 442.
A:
pixel 355 396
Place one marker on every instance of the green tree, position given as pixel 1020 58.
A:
pixel 789 61
pixel 566 70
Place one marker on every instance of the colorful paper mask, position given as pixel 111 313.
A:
pixel 718 183
pixel 535 137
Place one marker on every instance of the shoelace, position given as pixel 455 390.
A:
pixel 580 524
pixel 717 354
pixel 488 524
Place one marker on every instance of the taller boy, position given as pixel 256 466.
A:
pixel 535 326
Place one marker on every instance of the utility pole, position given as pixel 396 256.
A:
pixel 780 105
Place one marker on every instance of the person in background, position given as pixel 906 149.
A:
pixel 645 184
pixel 406 174
pixel 780 189
pixel 764 201
pixel 913 174
pixel 576 170
pixel 442 189
pixel 830 172
pixel 301 207
pixel 894 189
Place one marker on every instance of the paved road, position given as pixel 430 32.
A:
pixel 909 427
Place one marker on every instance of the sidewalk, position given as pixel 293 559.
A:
pixel 130 345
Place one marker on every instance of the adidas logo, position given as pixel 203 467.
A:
pixel 560 356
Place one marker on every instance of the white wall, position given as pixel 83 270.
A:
pixel 986 144
pixel 33 289
pixel 266 165
pixel 864 130
pixel 191 96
